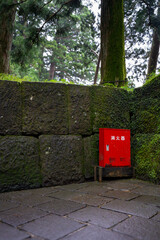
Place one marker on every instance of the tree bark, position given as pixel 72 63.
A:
pixel 112 43
pixel 52 71
pixel 97 68
pixel 7 19
pixel 153 58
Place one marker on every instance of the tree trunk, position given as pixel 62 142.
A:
pixel 52 71
pixel 112 43
pixel 153 58
pixel 97 68
pixel 7 19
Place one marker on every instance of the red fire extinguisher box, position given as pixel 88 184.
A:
pixel 114 147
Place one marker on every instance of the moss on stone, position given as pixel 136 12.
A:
pixel 10 108
pixel 91 154
pixel 110 108
pixel 146 108
pixel 145 156
pixel 19 163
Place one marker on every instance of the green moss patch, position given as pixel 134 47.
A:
pixel 146 108
pixel 110 108
pixel 146 156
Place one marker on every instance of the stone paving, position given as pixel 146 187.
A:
pixel 126 209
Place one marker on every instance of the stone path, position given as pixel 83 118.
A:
pixel 125 209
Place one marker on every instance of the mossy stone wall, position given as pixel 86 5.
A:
pixel 146 156
pixel 49 131
pixel 146 108
pixel 20 165
pixel 145 126
pixel 10 108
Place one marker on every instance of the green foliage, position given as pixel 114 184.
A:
pixel 146 152
pixel 10 77
pixel 30 78
pixel 140 20
pixel 67 41
pixel 152 78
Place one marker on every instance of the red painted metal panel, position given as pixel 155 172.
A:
pixel 114 147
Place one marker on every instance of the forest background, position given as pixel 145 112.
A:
pixel 58 41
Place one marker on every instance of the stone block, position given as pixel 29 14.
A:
pixel 60 207
pixel 52 227
pixel 131 208
pixel 93 232
pixel 79 110
pixel 10 108
pixel 10 233
pixel 44 108
pixel 110 108
pixel 146 108
pixel 98 216
pixel 91 154
pixel 145 156
pixel 139 228
pixel 120 194
pixel 19 163
pixel 62 158
pixel 20 215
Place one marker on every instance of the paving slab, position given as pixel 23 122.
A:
pixel 138 182
pixel 120 194
pixel 21 215
pixel 97 216
pixel 148 190
pixel 109 210
pixel 71 187
pixel 156 217
pixel 60 206
pixel 152 200
pixel 4 205
pixel 7 196
pixel 52 227
pixel 9 233
pixel 34 238
pixel 66 195
pixel 94 233
pixel 41 191
pixel 139 228
pixel 92 200
pixel 122 185
pixel 29 199
pixel 94 189
pixel 133 208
